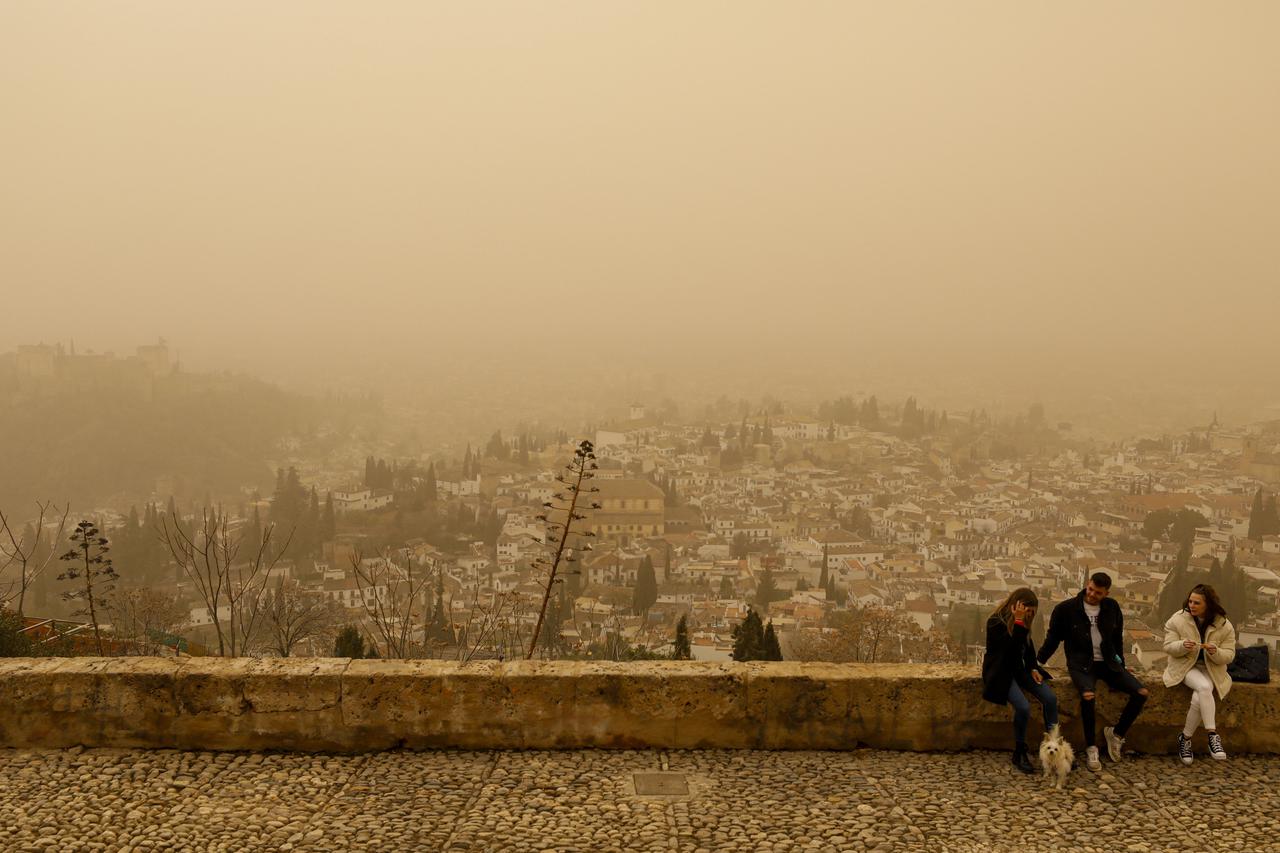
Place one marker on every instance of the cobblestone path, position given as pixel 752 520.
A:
pixel 138 800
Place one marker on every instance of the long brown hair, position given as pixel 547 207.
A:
pixel 1212 604
pixel 1005 611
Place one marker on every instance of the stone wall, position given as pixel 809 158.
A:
pixel 340 705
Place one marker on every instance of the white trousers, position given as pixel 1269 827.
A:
pixel 1202 706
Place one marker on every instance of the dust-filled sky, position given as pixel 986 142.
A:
pixel 309 186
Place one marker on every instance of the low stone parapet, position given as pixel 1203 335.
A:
pixel 341 705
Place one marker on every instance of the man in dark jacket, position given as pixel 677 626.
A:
pixel 1090 628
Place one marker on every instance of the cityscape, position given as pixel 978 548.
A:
pixel 507 427
pixel 856 530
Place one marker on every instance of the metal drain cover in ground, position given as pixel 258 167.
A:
pixel 661 784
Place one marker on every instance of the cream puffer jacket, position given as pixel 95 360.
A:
pixel 1182 626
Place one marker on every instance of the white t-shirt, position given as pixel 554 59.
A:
pixel 1092 611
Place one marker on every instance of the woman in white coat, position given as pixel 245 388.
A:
pixel 1200 642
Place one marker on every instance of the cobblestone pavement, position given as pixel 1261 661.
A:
pixel 137 800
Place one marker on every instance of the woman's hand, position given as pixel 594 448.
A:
pixel 1211 648
pixel 1036 676
pixel 1019 611
pixel 1188 645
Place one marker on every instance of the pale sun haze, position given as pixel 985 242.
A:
pixel 294 188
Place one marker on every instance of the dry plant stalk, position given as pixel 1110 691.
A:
pixel 581 468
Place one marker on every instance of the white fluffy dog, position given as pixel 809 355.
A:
pixel 1056 756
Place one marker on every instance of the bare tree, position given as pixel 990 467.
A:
pixel 389 594
pixel 210 558
pixel 872 635
pixel 246 592
pixel 29 558
pixel 493 626
pixel 146 619
pixel 580 469
pixel 292 616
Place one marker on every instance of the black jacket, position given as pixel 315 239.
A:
pixel 1010 658
pixel 1069 625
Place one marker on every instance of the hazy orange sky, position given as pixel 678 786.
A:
pixel 288 181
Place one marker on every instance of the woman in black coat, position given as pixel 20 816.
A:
pixel 1010 671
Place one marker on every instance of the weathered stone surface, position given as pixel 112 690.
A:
pixel 70 701
pixel 333 704
pixel 245 703
pixel 664 704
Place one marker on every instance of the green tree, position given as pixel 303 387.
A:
pixel 1235 589
pixel 1174 525
pixel 767 590
pixel 328 521
pixel 646 591
pixel 349 643
pixel 683 647
pixel 1270 519
pixel 430 487
pixel 772 648
pixel 966 624
pixel 748 638
pixel 13 642
pixel 726 587
pixel 1177 583
pixel 497 448
pixel 1257 521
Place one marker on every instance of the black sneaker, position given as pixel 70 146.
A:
pixel 1184 749
pixel 1022 760
pixel 1215 747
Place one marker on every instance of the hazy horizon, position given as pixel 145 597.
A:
pixel 997 200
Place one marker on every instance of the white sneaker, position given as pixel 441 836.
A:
pixel 1091 759
pixel 1215 747
pixel 1115 743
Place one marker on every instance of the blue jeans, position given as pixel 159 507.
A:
pixel 1022 708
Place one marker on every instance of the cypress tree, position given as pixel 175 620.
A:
pixel 683 648
pixel 1174 591
pixel 328 520
pixel 1257 524
pixel 1233 589
pixel 430 485
pixel 772 648
pixel 825 577
pixel 439 624
pixel 1270 519
pixel 748 638
pixel 646 591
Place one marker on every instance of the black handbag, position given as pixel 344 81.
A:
pixel 1252 665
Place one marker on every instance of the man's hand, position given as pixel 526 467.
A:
pixel 1036 676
